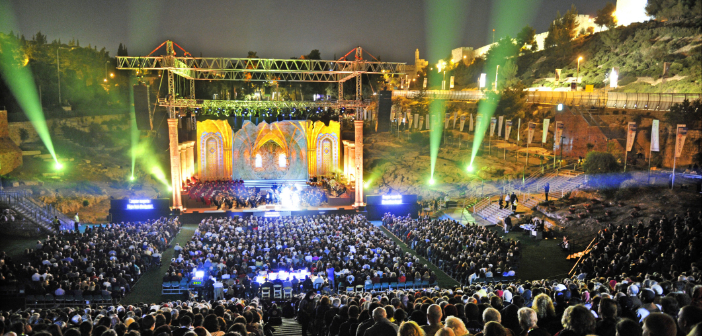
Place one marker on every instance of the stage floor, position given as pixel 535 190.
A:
pixel 268 207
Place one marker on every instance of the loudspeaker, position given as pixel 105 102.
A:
pixel 141 107
pixel 384 108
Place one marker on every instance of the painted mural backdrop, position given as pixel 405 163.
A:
pixel 284 150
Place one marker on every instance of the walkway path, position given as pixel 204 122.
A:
pixel 148 289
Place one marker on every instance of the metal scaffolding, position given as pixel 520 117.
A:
pixel 258 69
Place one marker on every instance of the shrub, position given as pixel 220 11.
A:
pixel 24 134
pixel 86 203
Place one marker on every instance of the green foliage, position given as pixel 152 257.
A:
pixel 688 113
pixel 252 54
pixel 561 32
pixel 599 166
pixel 600 163
pixel 525 38
pixel 24 134
pixel 314 54
pixel 86 203
pixel 419 138
pixel 605 16
pixel 673 9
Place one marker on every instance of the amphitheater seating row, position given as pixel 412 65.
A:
pixel 49 300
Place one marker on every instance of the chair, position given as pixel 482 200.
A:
pixel 376 286
pixel 384 286
pixel 48 301
pixel 165 287
pixel 359 289
pixel 30 301
pixel 266 292
pixel 69 300
pixel 277 291
pixel 350 290
pixel 394 285
pixel 287 293
pixel 60 300
pixel 368 287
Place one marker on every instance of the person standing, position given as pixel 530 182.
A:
pixel 547 187
pixel 76 221
pixel 57 225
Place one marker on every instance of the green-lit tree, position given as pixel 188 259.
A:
pixel 605 16
pixel 673 9
pixel 526 40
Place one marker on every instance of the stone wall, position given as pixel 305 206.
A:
pixel 579 133
pixel 54 126
pixel 10 154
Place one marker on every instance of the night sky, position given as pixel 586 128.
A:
pixel 274 29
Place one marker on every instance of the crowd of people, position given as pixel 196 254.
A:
pixel 665 245
pixel 103 260
pixel 337 251
pixel 619 305
pixel 464 252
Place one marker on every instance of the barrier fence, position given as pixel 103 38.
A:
pixel 623 100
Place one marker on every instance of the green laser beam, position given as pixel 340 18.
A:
pixel 18 76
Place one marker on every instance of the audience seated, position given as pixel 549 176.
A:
pixel 338 250
pixel 463 252
pixel 104 260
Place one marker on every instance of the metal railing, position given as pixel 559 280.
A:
pixel 41 215
pixel 621 100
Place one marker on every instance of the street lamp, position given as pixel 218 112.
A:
pixel 577 76
pixel 442 66
pixel 105 79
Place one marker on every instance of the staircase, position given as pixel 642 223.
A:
pixel 290 327
pixel 32 212
pixel 559 186
pixel 490 211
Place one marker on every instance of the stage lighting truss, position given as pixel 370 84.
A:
pixel 257 69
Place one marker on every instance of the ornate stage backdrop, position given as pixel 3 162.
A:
pixel 283 150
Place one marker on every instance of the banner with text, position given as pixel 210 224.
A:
pixel 455 116
pixel 530 132
pixel 416 119
pixel 499 126
pixel 630 135
pixel 654 136
pixel 493 123
pixel 508 129
pixel 545 133
pixel 519 128
pixel 470 126
pixel 680 139
pixel 558 132
pixel 463 122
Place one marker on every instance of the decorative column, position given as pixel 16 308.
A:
pixel 183 162
pixel 358 125
pixel 352 162
pixel 190 158
pixel 346 159
pixel 175 162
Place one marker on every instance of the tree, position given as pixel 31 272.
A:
pixel 39 38
pixel 526 39
pixel 562 29
pixel 122 50
pixel 673 9
pixel 314 54
pixel 599 166
pixel 605 16
pixel 688 113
